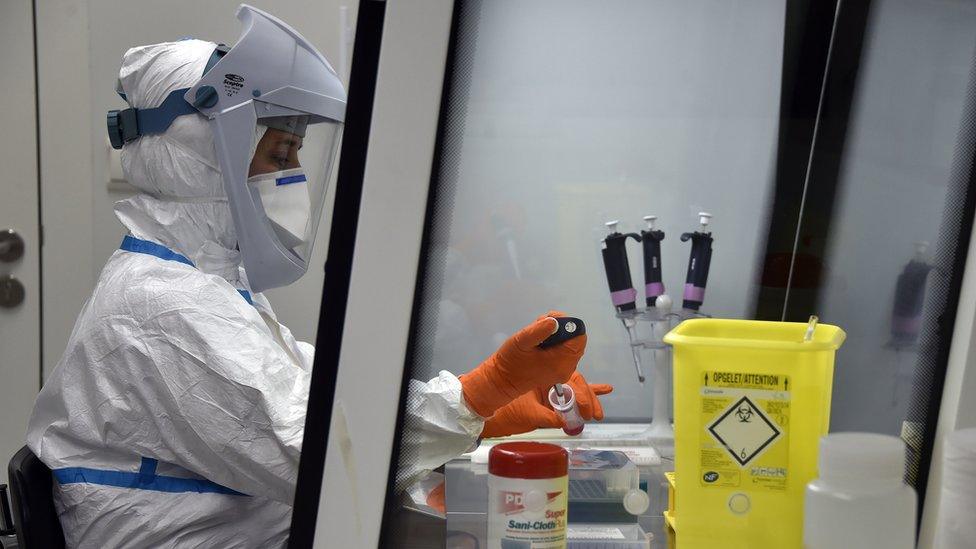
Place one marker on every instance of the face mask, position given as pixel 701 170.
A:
pixel 284 195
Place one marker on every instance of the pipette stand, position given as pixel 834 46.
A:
pixel 646 329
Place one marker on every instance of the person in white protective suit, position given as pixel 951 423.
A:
pixel 175 416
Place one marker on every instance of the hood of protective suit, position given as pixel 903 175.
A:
pixel 183 205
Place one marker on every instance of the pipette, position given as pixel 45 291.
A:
pixel 698 263
pixel 561 396
pixel 653 282
pixel 622 292
pixel 567 328
pixel 631 325
pixel 906 315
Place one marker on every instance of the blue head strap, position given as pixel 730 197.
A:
pixel 127 125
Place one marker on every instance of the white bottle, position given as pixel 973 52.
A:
pixel 956 527
pixel 860 499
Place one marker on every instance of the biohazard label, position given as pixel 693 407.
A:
pixel 745 419
pixel 744 431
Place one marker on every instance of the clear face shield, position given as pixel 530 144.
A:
pixel 275 81
pixel 289 175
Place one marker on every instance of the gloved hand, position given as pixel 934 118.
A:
pixel 531 411
pixel 435 498
pixel 519 366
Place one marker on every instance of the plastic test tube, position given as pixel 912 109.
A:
pixel 565 405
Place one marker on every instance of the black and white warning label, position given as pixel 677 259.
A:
pixel 745 418
pixel 744 430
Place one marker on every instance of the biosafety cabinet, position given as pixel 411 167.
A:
pixel 765 160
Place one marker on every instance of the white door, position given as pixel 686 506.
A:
pixel 19 320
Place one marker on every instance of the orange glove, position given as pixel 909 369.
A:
pixel 531 411
pixel 435 498
pixel 519 366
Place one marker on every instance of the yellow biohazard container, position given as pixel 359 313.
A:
pixel 751 401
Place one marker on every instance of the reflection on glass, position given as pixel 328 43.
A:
pixel 905 121
pixel 571 115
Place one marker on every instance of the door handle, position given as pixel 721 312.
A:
pixel 11 292
pixel 11 246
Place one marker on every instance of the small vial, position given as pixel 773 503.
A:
pixel 565 405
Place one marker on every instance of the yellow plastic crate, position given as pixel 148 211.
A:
pixel 669 514
pixel 670 534
pixel 751 401
pixel 672 504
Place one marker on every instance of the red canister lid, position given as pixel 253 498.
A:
pixel 528 460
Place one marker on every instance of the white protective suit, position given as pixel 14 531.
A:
pixel 175 416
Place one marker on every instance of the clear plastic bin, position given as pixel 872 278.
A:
pixel 605 475
pixel 607 536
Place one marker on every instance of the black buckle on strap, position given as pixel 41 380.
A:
pixel 123 126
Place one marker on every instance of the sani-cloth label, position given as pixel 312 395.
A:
pixel 527 513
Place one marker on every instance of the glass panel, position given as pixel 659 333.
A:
pixel 560 117
pixel 563 116
pixel 892 234
pixel 570 115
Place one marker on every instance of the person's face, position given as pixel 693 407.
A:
pixel 276 151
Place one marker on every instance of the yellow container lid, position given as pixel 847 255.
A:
pixel 755 334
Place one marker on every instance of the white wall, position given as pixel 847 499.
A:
pixel 86 40
pixel 19 339
pixel 904 122
pixel 580 112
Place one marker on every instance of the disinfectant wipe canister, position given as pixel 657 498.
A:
pixel 860 498
pixel 527 496
pixel 751 401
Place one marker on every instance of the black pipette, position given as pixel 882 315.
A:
pixel 698 263
pixel 567 328
pixel 653 281
pixel 906 316
pixel 622 292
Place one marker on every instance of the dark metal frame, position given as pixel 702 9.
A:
pixel 821 57
pixel 338 270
